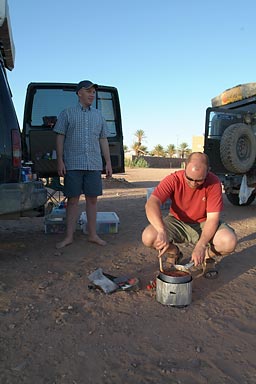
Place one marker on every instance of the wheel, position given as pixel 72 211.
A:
pixel 233 198
pixel 238 148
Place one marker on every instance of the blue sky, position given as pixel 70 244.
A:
pixel 168 58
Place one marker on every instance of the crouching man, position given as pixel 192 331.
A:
pixel 194 217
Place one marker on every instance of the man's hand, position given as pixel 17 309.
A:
pixel 108 170
pixel 161 243
pixel 163 250
pixel 198 254
pixel 61 168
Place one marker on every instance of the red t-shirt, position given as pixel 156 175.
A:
pixel 190 205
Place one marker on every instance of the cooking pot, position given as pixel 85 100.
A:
pixel 177 274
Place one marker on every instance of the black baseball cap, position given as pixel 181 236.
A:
pixel 87 84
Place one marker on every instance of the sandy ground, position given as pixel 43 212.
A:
pixel 55 329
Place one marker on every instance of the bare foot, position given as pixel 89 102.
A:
pixel 64 243
pixel 96 239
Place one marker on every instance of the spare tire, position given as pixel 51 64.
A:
pixel 238 148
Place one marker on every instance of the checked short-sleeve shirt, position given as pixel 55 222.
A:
pixel 82 128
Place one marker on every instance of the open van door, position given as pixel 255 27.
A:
pixel 43 104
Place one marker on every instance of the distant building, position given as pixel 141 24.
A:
pixel 197 143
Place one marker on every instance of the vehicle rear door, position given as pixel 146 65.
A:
pixel 218 121
pixel 43 104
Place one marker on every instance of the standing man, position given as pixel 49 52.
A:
pixel 81 137
pixel 194 217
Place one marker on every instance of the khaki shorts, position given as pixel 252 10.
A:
pixel 180 232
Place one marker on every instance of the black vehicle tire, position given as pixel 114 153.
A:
pixel 238 148
pixel 233 198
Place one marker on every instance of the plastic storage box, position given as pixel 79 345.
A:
pixel 58 212
pixel 164 206
pixel 54 224
pixel 107 222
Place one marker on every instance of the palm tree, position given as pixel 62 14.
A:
pixel 143 150
pixel 137 145
pixel 170 150
pixel 184 150
pixel 136 148
pixel 139 149
pixel 158 150
pixel 140 135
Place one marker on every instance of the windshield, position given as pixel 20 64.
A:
pixel 48 103
pixel 219 121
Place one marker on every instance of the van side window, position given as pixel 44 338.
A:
pixel 105 103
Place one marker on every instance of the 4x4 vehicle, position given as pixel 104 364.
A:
pixel 16 197
pixel 230 139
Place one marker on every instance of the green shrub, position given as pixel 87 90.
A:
pixel 138 162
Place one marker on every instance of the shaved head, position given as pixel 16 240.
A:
pixel 196 170
pixel 198 159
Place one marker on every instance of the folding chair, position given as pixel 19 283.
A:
pixel 54 191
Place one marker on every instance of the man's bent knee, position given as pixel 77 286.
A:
pixel 226 242
pixel 148 236
pixel 232 243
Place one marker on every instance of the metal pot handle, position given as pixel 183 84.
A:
pixel 186 266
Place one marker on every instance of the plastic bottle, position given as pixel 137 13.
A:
pixel 54 155
pixel 23 176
